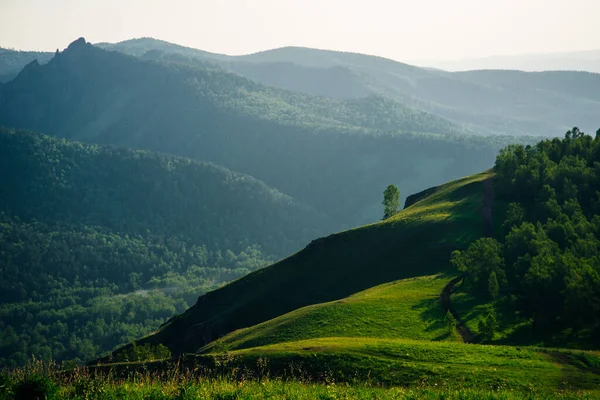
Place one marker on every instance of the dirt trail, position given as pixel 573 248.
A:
pixel 461 328
pixel 488 231
pixel 488 201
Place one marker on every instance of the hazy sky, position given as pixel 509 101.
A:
pixel 398 29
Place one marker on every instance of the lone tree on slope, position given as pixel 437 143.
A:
pixel 391 201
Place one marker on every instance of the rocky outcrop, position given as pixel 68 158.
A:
pixel 413 198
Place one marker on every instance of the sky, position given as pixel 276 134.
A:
pixel 398 29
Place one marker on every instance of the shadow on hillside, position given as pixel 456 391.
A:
pixel 431 312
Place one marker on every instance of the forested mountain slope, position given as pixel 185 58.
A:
pixel 527 104
pixel 332 155
pixel 99 245
pixel 136 192
pixel 524 104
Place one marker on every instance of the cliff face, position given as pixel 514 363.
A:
pixel 413 198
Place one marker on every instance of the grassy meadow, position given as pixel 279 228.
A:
pixel 408 308
pixel 49 382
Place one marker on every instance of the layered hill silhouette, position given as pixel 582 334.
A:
pixel 529 103
pixel 332 155
pixel 12 61
pixel 587 60
pixel 483 103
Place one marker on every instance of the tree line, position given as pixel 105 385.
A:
pixel 547 255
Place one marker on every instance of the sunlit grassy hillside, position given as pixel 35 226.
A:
pixel 410 362
pixel 415 242
pixel 407 308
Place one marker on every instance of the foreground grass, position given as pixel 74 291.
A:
pixel 393 362
pixel 408 308
pixel 276 389
pixel 80 384
pixel 413 363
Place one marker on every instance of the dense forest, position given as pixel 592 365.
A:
pixel 100 245
pixel 141 192
pixel 73 294
pixel 547 258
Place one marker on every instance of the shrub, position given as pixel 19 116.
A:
pixel 36 387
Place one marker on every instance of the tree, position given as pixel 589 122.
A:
pixel 450 323
pixel 487 327
pixel 493 287
pixel 481 258
pixel 391 201
pixel 515 215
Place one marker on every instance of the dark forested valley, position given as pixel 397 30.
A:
pixel 100 245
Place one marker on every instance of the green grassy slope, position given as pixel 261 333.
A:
pixel 409 362
pixel 399 362
pixel 415 242
pixel 408 308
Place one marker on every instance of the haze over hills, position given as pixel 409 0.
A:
pixel 330 154
pixel 588 61
pixel 12 61
pixel 483 106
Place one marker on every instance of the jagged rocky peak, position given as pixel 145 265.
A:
pixel 79 43
pixel 32 65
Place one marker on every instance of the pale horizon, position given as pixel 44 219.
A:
pixel 428 31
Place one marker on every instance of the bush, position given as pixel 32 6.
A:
pixel 36 387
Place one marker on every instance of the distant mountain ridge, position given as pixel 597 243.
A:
pixel 333 155
pixel 486 105
pixel 587 61
pixel 12 61
pixel 483 106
